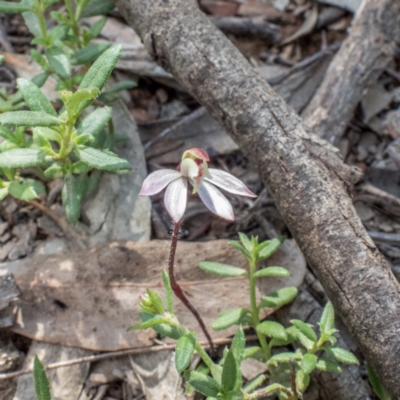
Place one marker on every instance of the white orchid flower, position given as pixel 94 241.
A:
pixel 194 169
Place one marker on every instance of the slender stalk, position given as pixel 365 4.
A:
pixel 39 12
pixel 204 356
pixel 177 289
pixel 254 311
pixel 75 26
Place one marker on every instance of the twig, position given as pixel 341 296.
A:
pixel 383 237
pixel 117 353
pixel 188 118
pixel 304 63
pixel 374 191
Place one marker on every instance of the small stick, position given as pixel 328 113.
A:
pixel 104 356
pixel 293 376
pixel 68 231
pixel 177 289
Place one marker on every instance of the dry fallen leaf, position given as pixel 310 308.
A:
pixel 89 299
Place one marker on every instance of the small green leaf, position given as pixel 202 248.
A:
pixel 48 133
pixel 302 380
pixel 246 242
pixel 239 247
pixel 58 33
pixel 13 8
pixel 308 363
pixel 279 298
pixel 89 53
pixel 79 168
pixel 282 358
pixel 7 134
pixel 376 384
pixel 40 79
pixel 72 198
pixel 81 96
pixel 100 71
pixel 37 56
pixel 272 247
pixel 156 301
pixel 163 328
pixel 229 318
pixel 251 351
pixel 327 318
pixel 305 329
pixel 31 20
pixel 8 172
pixel 113 92
pixel 21 158
pixel 305 341
pixel 29 118
pixel 168 291
pixel 59 61
pixel 101 160
pixel 230 372
pixel 55 170
pixel 94 182
pixel 272 329
pixel 26 189
pixel 238 344
pixel 204 384
pixel 255 383
pixel 42 385
pixel 3 193
pixel 272 271
pixel 156 320
pixel 292 335
pixel 42 142
pixel 184 351
pixel 97 27
pixel 95 121
pixel 222 269
pixel 6 145
pixel 97 7
pixel 328 366
pixel 342 355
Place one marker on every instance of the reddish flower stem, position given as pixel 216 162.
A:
pixel 177 289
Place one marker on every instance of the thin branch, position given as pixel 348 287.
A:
pixel 118 353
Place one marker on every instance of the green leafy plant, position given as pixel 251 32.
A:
pixel 376 384
pixel 42 385
pixel 72 138
pixel 288 371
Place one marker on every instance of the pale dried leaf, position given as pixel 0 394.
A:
pixel 89 299
pixel 66 383
pixel 311 18
pixel 158 376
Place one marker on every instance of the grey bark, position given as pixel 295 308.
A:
pixel 367 50
pixel 305 176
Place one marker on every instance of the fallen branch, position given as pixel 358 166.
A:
pixel 305 176
pixel 365 53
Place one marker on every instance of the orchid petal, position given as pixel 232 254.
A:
pixel 158 180
pixel 175 199
pixel 228 182
pixel 215 201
